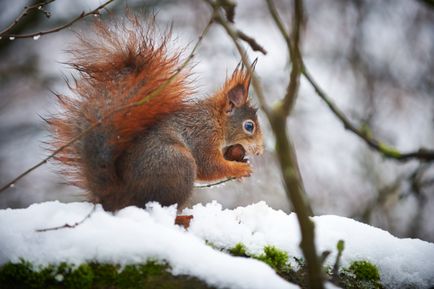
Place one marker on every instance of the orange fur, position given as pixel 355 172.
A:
pixel 240 76
pixel 120 65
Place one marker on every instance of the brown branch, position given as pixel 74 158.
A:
pixel 229 7
pixel 68 226
pixel 24 12
pixel 294 78
pixel 279 23
pixel 293 52
pixel 252 42
pixel 213 184
pixel 284 148
pixel 144 100
pixel 83 14
pixel 387 151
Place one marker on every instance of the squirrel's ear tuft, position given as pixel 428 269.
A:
pixel 237 96
pixel 236 89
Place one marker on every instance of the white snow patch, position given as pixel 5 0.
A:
pixel 130 236
pixel 135 235
pixel 401 261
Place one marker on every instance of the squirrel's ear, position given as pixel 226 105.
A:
pixel 239 92
pixel 237 96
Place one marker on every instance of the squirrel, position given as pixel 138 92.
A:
pixel 157 150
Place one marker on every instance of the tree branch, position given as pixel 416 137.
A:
pixel 144 100
pixel 83 14
pixel 252 42
pixel 293 51
pixel 24 12
pixel 387 151
pixel 213 184
pixel 284 148
pixel 68 226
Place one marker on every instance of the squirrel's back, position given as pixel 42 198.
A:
pixel 122 89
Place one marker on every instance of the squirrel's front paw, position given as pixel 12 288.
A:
pixel 242 170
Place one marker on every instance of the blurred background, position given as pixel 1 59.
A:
pixel 374 58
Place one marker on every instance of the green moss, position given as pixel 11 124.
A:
pixel 364 270
pixel 274 257
pixel 20 275
pixel 94 276
pixel 134 275
pixel 366 130
pixel 239 250
pixel 345 278
pixel 105 275
pixel 359 275
pixel 390 151
pixel 79 278
pixel 153 274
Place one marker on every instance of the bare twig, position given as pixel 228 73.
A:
pixel 213 184
pixel 68 226
pixel 293 52
pixel 279 23
pixel 294 78
pixel 387 151
pixel 144 100
pixel 83 14
pixel 25 12
pixel 252 42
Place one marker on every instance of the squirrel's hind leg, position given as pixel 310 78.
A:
pixel 158 169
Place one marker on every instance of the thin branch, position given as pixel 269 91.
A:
pixel 279 23
pixel 293 52
pixel 142 101
pixel 294 78
pixel 252 42
pixel 213 184
pixel 68 226
pixel 387 151
pixel 25 12
pixel 83 14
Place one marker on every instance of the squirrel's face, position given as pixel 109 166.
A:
pixel 243 128
pixel 242 125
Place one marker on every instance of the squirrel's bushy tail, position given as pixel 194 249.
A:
pixel 124 62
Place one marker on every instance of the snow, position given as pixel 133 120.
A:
pixel 401 261
pixel 130 236
pixel 134 235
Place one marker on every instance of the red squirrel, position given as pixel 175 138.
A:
pixel 157 150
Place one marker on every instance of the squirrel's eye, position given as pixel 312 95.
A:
pixel 249 126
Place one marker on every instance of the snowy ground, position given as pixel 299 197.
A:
pixel 134 235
